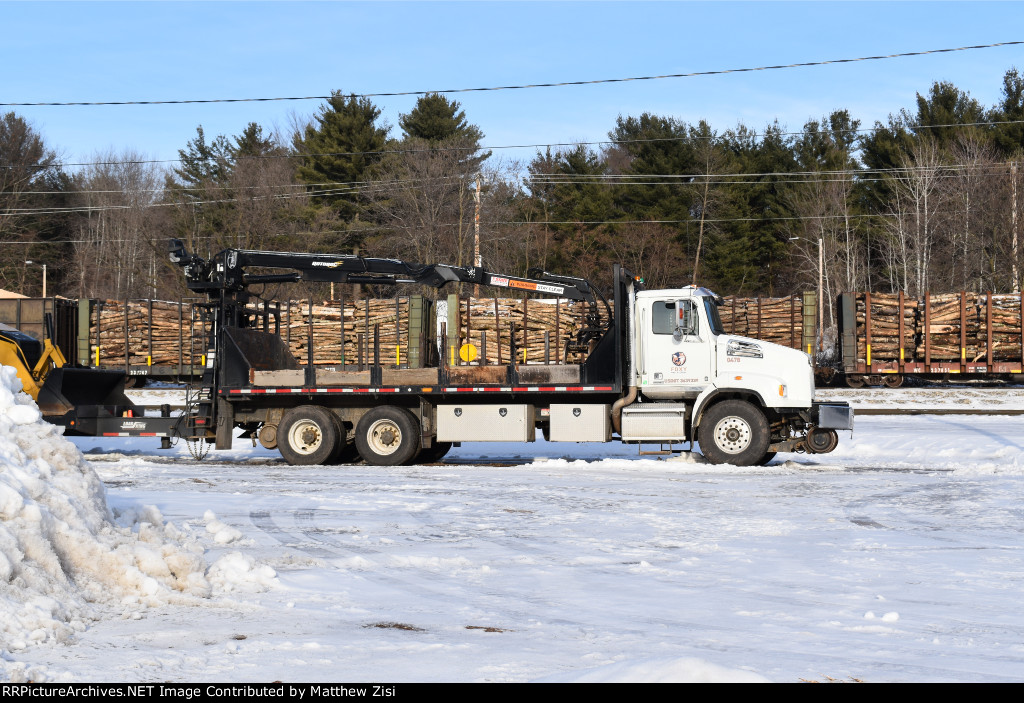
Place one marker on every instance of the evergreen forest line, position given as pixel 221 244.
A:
pixel 926 201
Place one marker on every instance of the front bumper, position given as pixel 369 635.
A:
pixel 832 416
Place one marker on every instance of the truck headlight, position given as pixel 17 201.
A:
pixel 747 349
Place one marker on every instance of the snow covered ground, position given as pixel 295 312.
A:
pixel 897 558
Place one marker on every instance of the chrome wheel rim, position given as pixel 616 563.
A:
pixel 733 435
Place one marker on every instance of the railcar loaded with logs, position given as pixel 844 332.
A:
pixel 882 338
pixel 886 338
pixel 155 340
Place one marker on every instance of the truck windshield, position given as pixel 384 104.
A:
pixel 713 319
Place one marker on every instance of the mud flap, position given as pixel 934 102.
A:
pixel 225 424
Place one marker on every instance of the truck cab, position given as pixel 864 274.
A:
pixel 685 354
pixel 743 399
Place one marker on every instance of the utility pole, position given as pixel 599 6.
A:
pixel 477 261
pixel 40 263
pixel 1013 219
pixel 821 290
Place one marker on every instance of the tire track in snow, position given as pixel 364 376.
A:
pixel 446 589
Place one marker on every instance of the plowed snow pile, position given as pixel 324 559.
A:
pixel 61 551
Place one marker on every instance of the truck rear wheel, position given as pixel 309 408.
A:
pixel 734 432
pixel 308 435
pixel 388 436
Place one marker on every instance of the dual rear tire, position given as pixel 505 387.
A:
pixel 388 436
pixel 309 435
pixel 312 435
pixel 384 436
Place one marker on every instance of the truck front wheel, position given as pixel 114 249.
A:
pixel 734 432
pixel 387 436
pixel 308 435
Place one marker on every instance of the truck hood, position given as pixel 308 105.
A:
pixel 783 377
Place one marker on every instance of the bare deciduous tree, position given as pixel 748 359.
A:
pixel 424 202
pixel 914 217
pixel 116 254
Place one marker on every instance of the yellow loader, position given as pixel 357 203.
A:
pixel 56 387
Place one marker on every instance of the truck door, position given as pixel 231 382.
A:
pixel 678 358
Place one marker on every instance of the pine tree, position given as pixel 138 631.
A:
pixel 1009 137
pixel 943 112
pixel 228 191
pixel 569 188
pixel 439 122
pixel 30 178
pixel 659 147
pixel 752 250
pixel 339 151
pixel 253 143
pixel 201 162
pixel 436 119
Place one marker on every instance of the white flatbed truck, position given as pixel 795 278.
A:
pixel 658 369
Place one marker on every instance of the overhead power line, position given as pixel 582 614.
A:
pixel 560 84
pixel 942 170
pixel 525 223
pixel 940 173
pixel 368 188
pixel 442 149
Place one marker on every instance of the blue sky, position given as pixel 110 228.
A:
pixel 88 51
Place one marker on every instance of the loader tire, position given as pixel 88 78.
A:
pixel 388 436
pixel 734 432
pixel 307 436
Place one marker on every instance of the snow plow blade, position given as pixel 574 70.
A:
pixel 69 389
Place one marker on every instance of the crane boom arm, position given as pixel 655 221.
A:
pixel 235 269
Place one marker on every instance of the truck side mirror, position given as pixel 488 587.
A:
pixel 686 320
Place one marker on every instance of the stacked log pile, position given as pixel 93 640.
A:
pixel 342 335
pixel 1006 331
pixel 344 332
pixel 542 328
pixel 885 327
pixel 936 335
pixel 944 328
pixel 776 320
pixel 146 320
